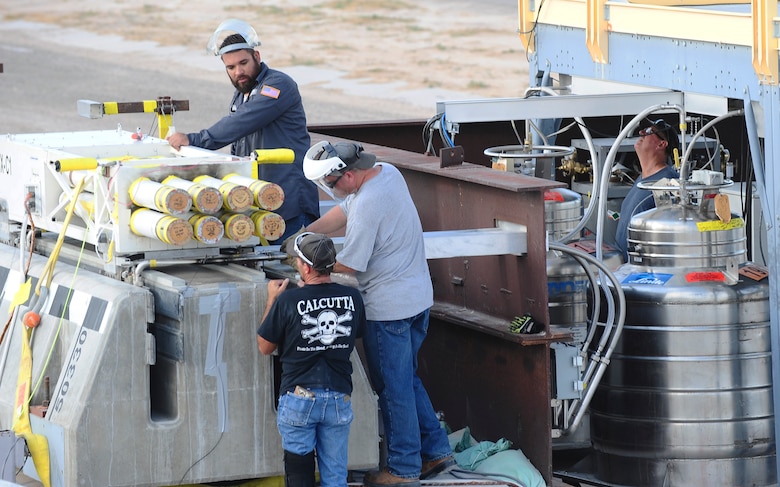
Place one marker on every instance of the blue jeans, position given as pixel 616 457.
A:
pixel 322 424
pixel 412 431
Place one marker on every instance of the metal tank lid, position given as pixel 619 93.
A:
pixel 689 236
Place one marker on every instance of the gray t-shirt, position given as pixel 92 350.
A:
pixel 384 245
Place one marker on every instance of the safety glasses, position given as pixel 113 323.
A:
pixel 333 182
pixel 297 249
pixel 658 128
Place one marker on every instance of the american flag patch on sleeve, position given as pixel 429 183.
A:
pixel 269 91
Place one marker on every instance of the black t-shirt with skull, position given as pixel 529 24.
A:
pixel 314 328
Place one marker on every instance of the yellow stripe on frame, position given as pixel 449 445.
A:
pixel 150 106
pixel 111 108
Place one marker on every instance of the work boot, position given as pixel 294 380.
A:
pixel 435 467
pixel 383 478
pixel 298 469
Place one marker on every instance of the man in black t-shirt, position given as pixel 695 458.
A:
pixel 314 327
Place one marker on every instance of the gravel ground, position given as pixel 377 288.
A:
pixel 354 60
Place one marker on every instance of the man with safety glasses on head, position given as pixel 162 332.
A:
pixel 384 249
pixel 314 326
pixel 654 148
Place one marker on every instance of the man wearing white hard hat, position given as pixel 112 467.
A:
pixel 266 112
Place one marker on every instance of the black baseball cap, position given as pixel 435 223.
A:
pixel 668 133
pixel 315 249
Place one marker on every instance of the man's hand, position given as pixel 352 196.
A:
pixel 287 247
pixel 275 288
pixel 177 140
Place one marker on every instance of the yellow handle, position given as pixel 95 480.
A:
pixel 274 156
pixel 75 164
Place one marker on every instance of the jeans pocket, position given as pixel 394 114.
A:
pixel 397 327
pixel 295 410
pixel 344 413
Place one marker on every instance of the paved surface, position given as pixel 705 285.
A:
pixel 372 60
pixel 34 100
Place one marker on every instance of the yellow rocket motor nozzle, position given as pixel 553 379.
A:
pixel 165 228
pixel 268 225
pixel 238 227
pixel 205 199
pixel 236 198
pixel 267 195
pixel 207 229
pixel 75 164
pixel 168 199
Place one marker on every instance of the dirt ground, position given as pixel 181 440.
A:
pixel 411 54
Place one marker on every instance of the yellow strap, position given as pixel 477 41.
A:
pixel 37 444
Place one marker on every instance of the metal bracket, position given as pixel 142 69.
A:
pixel 508 239
pixel 452 156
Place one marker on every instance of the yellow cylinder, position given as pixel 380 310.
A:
pixel 167 199
pixel 205 199
pixel 238 227
pixel 236 198
pixel 75 164
pixel 267 195
pixel 206 229
pixel 169 229
pixel 274 156
pixel 268 225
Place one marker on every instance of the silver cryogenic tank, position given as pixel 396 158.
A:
pixel 567 284
pixel 567 281
pixel 570 292
pixel 687 397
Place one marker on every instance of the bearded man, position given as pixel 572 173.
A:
pixel 266 112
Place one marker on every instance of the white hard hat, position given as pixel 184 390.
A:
pixel 228 27
pixel 323 160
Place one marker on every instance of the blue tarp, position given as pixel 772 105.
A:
pixel 494 459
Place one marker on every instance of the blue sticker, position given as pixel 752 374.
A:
pixel 647 278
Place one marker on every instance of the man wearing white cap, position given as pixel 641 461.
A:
pixel 266 112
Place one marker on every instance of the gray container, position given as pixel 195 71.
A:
pixel 687 397
pixel 159 385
